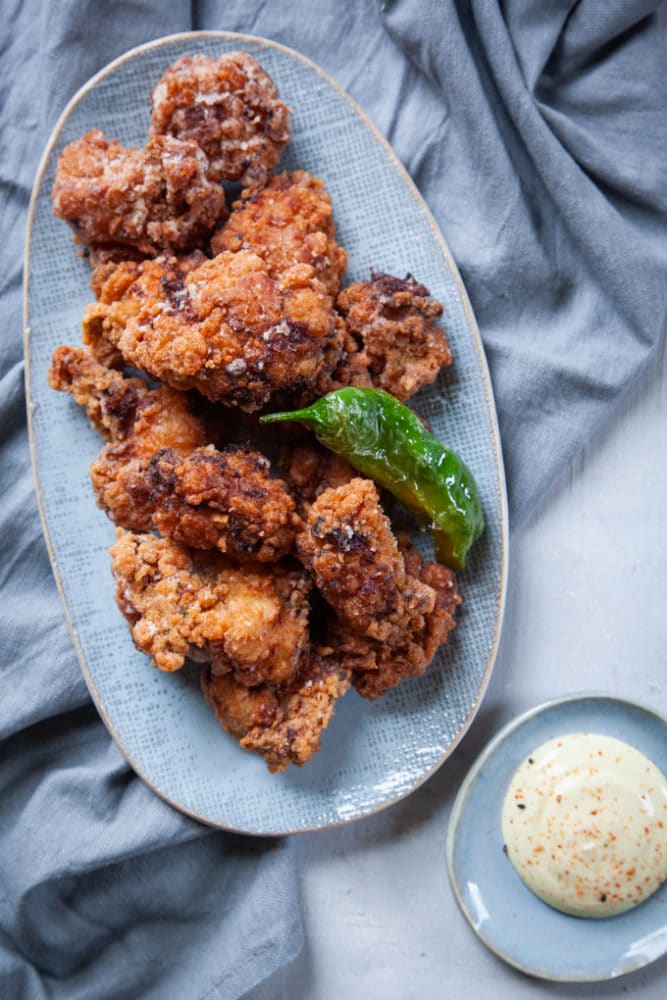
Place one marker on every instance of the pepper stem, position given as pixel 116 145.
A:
pixel 273 418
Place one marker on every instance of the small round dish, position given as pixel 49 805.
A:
pixel 503 912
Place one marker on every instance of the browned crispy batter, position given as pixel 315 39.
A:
pixel 378 666
pixel 348 546
pixel 261 325
pixel 112 275
pixel 113 272
pixel 288 222
pixel 225 500
pixel 149 199
pixel 224 327
pixel 117 406
pixel 284 724
pixel 394 319
pixel 348 364
pixel 104 258
pixel 137 422
pixel 198 604
pixel 308 469
pixel 158 471
pixel 230 106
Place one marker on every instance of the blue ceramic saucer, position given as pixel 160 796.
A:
pixel 502 911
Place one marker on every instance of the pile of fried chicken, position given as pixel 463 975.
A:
pixel 289 587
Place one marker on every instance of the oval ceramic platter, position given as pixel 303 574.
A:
pixel 504 913
pixel 373 753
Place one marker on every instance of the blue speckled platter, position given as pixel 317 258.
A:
pixel 510 919
pixel 373 753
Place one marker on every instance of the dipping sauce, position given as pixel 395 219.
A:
pixel 585 825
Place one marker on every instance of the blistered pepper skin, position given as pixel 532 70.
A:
pixel 386 441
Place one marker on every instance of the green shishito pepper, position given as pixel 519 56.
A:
pixel 387 442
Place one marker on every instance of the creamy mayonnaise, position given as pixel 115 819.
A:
pixel 585 824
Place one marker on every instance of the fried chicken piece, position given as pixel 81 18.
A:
pixel 104 258
pixel 224 327
pixel 378 666
pixel 113 271
pixel 117 406
pixel 150 199
pixel 231 107
pixel 349 367
pixel 111 275
pixel 158 472
pixel 394 320
pixel 283 724
pixel 348 546
pixel 198 604
pixel 288 222
pixel 225 500
pixel 308 469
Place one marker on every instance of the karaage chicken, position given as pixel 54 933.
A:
pixel 225 327
pixel 394 320
pixel 118 406
pixel 378 666
pixel 110 279
pixel 262 323
pixel 308 469
pixel 225 500
pixel 349 548
pixel 290 221
pixel 231 107
pixel 148 200
pixel 284 724
pixel 348 364
pixel 158 472
pixel 180 603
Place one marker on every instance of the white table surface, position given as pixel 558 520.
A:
pixel 587 610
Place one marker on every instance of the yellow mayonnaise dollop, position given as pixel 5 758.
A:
pixel 585 825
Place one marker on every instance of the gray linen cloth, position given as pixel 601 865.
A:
pixel 537 130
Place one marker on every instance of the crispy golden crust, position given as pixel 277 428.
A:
pixel 136 421
pixel 379 666
pixel 181 603
pixel 225 500
pixel 394 319
pixel 150 199
pixel 348 546
pixel 230 106
pixel 113 275
pixel 282 724
pixel 225 327
pixel 113 272
pixel 261 326
pixel 347 366
pixel 288 222
pixel 309 469
pixel 117 406
pixel 158 472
